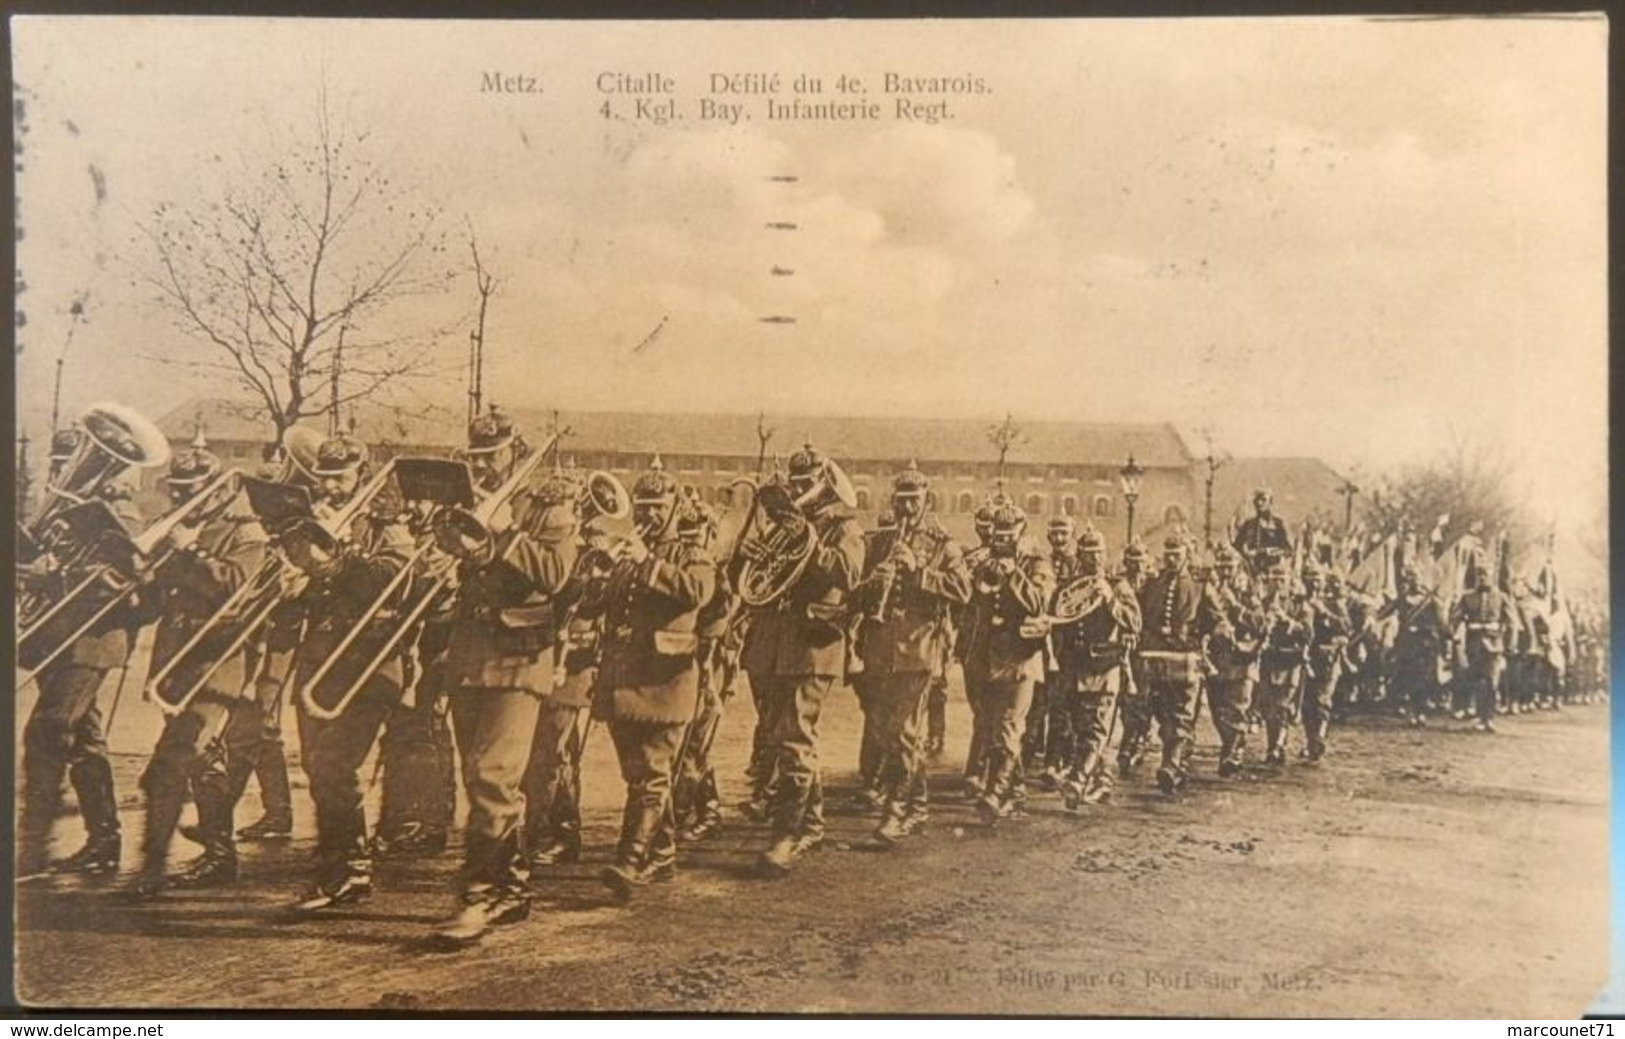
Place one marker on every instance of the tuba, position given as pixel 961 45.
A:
pixel 112 439
pixel 774 554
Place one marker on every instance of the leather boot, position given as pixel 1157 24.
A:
pixel 92 780
pixel 218 863
pixel 271 769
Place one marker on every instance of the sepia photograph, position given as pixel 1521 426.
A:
pixel 1064 517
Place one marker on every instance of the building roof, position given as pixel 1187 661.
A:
pixel 1154 445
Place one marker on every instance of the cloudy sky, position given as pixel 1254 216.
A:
pixel 1331 237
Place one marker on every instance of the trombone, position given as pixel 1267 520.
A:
pixel 107 578
pixel 253 600
pixel 476 522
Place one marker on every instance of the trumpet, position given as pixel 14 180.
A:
pixel 108 581
pixel 252 603
pixel 450 525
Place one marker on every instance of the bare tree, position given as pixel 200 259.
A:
pixel 292 280
pixel 1470 483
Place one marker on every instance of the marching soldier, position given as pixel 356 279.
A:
pixel 696 797
pixel 1288 627
pixel 1093 651
pixel 553 777
pixel 1328 639
pixel 648 684
pixel 212 745
pixel 1421 642
pixel 347 555
pixel 1263 539
pixel 1135 698
pixel 64 734
pixel 272 678
pixel 1049 722
pixel 516 553
pixel 976 755
pixel 869 796
pixel 795 651
pixel 913 576
pixel 1486 623
pixel 1233 651
pixel 1178 614
pixel 1004 654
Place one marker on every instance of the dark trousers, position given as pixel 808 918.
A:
pixel 1278 694
pixel 211 748
pixel 1175 704
pixel 1091 710
pixel 1137 715
pixel 333 753
pixel 897 709
pixel 936 718
pixel 494 730
pixel 1231 698
pixel 791 708
pixel 271 766
pixel 1001 725
pixel 1482 681
pixel 418 771
pixel 647 752
pixel 553 777
pixel 696 795
pixel 1319 686
pixel 64 738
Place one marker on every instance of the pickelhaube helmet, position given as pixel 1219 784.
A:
pixel 809 461
pixel 1008 519
pixel 1225 556
pixel 1063 525
pixel 339 455
pixel 193 467
pixel 655 485
pixel 556 489
pixel 1135 552
pixel 983 519
pixel 491 431
pixel 910 483
pixel 1091 540
pixel 1262 495
pixel 1175 542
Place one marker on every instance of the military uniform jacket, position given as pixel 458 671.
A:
pixel 191 587
pixel 649 670
pixel 1332 629
pixel 1233 646
pixel 804 632
pixel 107 644
pixel 1099 641
pixel 332 603
pixel 1178 611
pixel 1422 631
pixel 1263 538
pixel 504 628
pixel 576 654
pixel 994 647
pixel 1288 626
pixel 1488 622
pixel 912 637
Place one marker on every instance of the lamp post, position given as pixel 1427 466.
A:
pixel 1349 492
pixel 1129 476
pixel 1214 464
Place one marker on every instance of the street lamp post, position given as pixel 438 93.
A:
pixel 1214 464
pixel 1129 476
pixel 1349 492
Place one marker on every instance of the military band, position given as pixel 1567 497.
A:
pixel 505 619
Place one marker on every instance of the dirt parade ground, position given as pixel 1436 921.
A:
pixel 1413 873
